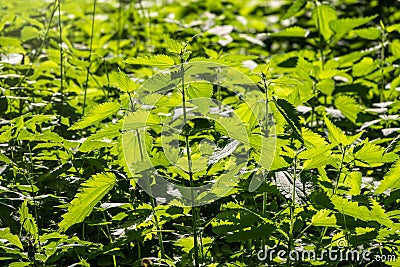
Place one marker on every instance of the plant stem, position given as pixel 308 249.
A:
pixel 381 66
pixel 61 53
pixel 263 214
pixel 321 42
pixel 292 211
pixel 340 171
pixel 119 27
pixel 264 206
pixel 160 237
pixel 36 55
pixel 109 236
pixel 153 203
pixel 266 86
pixel 90 57
pixel 189 159
pixel 108 79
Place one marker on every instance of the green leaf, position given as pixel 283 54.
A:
pixel 353 209
pixel 5 159
pixel 315 152
pixel 289 112
pixel 323 218
pixel 364 67
pixel 370 153
pixel 187 243
pixel 395 83
pixel 211 53
pixel 321 161
pixel 200 89
pixel 91 192
pixel 122 81
pixel 98 113
pixel 312 139
pixel 240 224
pixel 394 27
pixel 294 8
pixel 19 264
pixel 109 131
pixel 28 33
pixel 323 15
pixel 326 86
pixel 11 238
pixel 348 106
pixel 395 48
pixel 247 113
pixel 173 46
pixel 370 33
pixel 294 31
pixel 140 119
pixel 316 157
pixel 343 26
pixel 354 182
pixel 90 145
pixel 160 61
pixel 335 134
pixel 27 221
pixel 391 179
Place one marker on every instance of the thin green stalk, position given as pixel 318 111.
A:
pixel 313 106
pixel 382 64
pixel 321 46
pixel 340 171
pixel 264 209
pixel 146 25
pixel 321 42
pixel 159 233
pixel 292 211
pixel 153 204
pixel 139 251
pixel 119 26
pixel 35 56
pixel 61 52
pixel 29 179
pixel 135 26
pixel 90 57
pixel 108 234
pixel 189 159
pixel 266 86
pixel 264 206
pixel 333 193
pixel 108 79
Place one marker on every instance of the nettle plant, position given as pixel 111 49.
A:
pixel 295 143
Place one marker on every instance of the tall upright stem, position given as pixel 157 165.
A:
pixel 90 57
pixel 382 65
pixel 292 211
pixel 189 159
pixel 61 52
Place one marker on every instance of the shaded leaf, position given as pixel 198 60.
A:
pixel 295 8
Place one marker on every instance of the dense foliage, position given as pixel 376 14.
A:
pixel 328 76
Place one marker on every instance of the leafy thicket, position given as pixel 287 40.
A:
pixel 70 72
